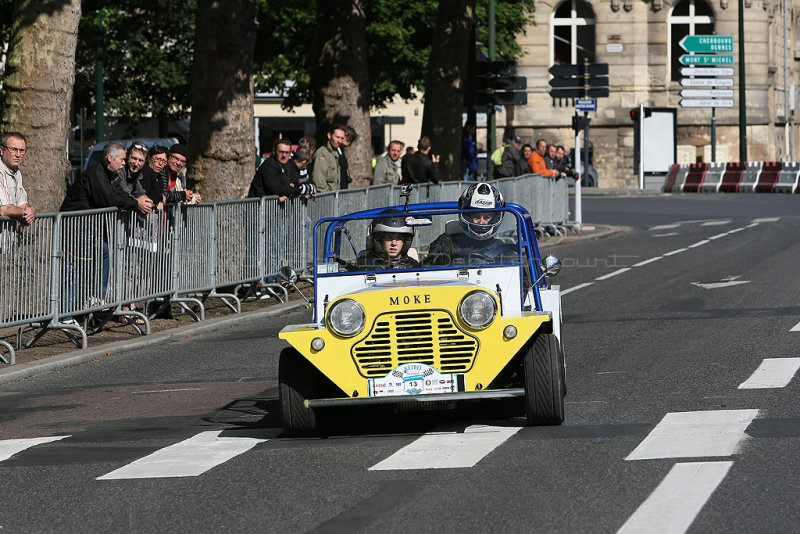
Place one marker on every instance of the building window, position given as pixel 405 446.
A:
pixel 688 17
pixel 573 33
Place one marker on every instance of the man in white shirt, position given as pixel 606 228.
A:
pixel 13 198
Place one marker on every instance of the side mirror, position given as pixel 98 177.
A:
pixel 551 266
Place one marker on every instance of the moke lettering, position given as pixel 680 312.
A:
pixel 410 299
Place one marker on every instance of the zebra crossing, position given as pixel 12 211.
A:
pixel 671 507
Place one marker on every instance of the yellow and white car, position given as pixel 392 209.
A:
pixel 477 327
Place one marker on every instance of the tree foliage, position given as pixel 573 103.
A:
pixel 399 38
pixel 146 53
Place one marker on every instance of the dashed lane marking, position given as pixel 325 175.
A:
pixel 716 223
pixel 615 273
pixel 795 328
pixel 677 251
pixel 448 450
pixel 575 288
pixel 675 503
pixel 772 373
pixel 767 220
pixel 194 456
pixel 645 262
pixel 10 447
pixel 695 434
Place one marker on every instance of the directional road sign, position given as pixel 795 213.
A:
pixel 706 82
pixel 586 104
pixel 707 43
pixel 578 81
pixel 595 69
pixel 500 68
pixel 598 92
pixel 502 83
pixel 706 103
pixel 706 59
pixel 707 71
pixel 708 93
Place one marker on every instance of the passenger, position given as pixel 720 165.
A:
pixel 473 241
pixel 389 242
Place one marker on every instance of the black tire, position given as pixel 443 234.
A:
pixel 562 361
pixel 298 380
pixel 544 386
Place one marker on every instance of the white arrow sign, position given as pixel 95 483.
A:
pixel 707 71
pixel 706 82
pixel 708 93
pixel 705 103
pixel 725 282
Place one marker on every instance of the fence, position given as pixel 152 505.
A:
pixel 732 177
pixel 77 264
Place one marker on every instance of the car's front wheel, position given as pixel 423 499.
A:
pixel 544 382
pixel 297 379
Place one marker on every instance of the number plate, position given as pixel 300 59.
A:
pixel 412 379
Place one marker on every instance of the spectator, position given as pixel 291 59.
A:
pixel 526 151
pixel 297 166
pixel 550 156
pixel 130 174
pixel 421 166
pixel 474 242
pixel 100 186
pixel 537 163
pixel 563 162
pixel 151 181
pixel 173 177
pixel 274 177
pixel 327 174
pixel 310 144
pixel 387 169
pixel 13 197
pixel 469 156
pixel 350 137
pixel 510 165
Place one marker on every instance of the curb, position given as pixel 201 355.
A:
pixel 602 231
pixel 29 369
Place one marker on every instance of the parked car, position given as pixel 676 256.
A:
pixel 471 331
pixel 96 153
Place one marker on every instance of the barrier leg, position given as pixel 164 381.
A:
pixel 12 359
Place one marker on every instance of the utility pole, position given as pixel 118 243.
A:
pixel 100 119
pixel 490 118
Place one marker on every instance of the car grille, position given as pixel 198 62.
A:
pixel 429 337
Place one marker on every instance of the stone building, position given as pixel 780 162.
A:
pixel 639 41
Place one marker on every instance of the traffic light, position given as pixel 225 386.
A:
pixel 635 114
pixel 579 123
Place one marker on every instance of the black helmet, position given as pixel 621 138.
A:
pixel 391 225
pixel 476 196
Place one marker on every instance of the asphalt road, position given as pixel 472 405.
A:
pixel 669 426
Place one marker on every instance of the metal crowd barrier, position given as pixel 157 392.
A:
pixel 99 264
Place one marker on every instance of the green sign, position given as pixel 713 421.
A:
pixel 687 59
pixel 707 43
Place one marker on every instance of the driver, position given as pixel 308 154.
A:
pixel 473 243
pixel 388 245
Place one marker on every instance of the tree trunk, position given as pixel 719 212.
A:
pixel 340 80
pixel 222 133
pixel 444 85
pixel 39 78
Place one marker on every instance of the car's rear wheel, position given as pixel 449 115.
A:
pixel 544 385
pixel 298 380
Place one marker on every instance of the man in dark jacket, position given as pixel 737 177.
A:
pixel 276 177
pixel 99 187
pixel 421 166
pixel 510 165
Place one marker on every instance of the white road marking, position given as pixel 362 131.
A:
pixel 674 504
pixel 193 456
pixel 713 237
pixel 699 243
pixel 695 434
pixel 448 450
pixel 579 286
pixel 735 230
pixel 645 262
pixel 166 390
pixel 10 447
pixel 718 285
pixel 716 223
pixel 767 219
pixel 615 273
pixel 795 328
pixel 668 234
pixel 772 373
pixel 677 251
pixel 665 226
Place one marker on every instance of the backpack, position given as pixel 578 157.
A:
pixel 497 155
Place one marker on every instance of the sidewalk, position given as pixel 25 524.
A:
pixel 54 350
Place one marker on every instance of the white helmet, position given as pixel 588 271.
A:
pixel 476 196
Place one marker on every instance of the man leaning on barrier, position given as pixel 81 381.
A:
pixel 13 198
pixel 98 187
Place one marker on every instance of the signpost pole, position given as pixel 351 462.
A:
pixel 641 146
pixel 578 206
pixel 713 135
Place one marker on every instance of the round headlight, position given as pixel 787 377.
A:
pixel 346 317
pixel 477 309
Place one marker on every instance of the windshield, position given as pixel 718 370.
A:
pixel 396 240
